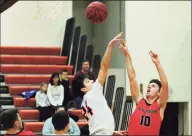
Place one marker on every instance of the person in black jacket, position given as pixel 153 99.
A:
pixel 68 95
pixel 85 71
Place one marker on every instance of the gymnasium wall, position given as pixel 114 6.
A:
pixel 165 28
pixel 81 19
pixel 103 33
pixel 35 23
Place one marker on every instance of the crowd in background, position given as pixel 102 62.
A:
pixel 53 100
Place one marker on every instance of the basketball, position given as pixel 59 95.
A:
pixel 96 12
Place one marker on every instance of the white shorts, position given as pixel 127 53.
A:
pixel 102 130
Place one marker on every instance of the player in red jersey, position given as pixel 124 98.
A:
pixel 149 112
pixel 12 122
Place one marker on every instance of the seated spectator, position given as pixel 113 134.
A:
pixel 42 103
pixel 48 128
pixel 12 122
pixel 55 91
pixel 68 95
pixel 85 71
pixel 60 122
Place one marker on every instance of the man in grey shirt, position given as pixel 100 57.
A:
pixel 48 128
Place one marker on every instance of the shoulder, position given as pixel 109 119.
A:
pixel 38 93
pixel 141 101
pixel 78 73
pixel 156 104
pixel 49 85
pixel 61 86
pixel 71 120
pixel 48 120
pixel 97 85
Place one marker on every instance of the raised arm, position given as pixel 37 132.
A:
pixel 131 73
pixel 105 63
pixel 164 89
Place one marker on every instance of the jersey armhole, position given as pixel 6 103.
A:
pixel 140 97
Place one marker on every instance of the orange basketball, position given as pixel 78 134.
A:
pixel 96 12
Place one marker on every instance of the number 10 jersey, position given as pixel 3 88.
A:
pixel 145 120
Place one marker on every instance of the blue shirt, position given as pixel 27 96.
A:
pixel 48 128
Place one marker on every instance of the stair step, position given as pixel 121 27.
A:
pixel 34 69
pixel 33 114
pixel 37 126
pixel 5 107
pixel 76 113
pixel 21 102
pixel 37 59
pixel 26 50
pixel 16 90
pixel 29 114
pixel 29 79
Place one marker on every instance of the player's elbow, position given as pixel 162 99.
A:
pixel 165 86
pixel 104 65
pixel 132 79
pixel 131 75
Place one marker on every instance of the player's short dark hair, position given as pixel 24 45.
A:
pixel 63 70
pixel 86 60
pixel 78 82
pixel 8 118
pixel 60 120
pixel 157 82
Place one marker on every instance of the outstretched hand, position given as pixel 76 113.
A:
pixel 123 47
pixel 116 133
pixel 115 39
pixel 154 57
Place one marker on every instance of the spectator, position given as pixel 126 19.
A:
pixel 85 71
pixel 68 96
pixel 48 128
pixel 60 122
pixel 42 102
pixel 12 122
pixel 55 91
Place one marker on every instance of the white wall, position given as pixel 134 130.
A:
pixel 165 28
pixel 35 23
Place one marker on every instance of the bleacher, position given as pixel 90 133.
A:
pixel 23 68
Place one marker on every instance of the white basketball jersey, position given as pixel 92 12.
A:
pixel 97 111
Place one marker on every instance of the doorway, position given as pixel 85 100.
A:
pixel 170 123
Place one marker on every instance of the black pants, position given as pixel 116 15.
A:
pixel 85 130
pixel 45 113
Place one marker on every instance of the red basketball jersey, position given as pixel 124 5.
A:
pixel 145 120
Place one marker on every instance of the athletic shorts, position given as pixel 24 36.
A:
pixel 101 130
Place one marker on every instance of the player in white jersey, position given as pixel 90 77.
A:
pixel 94 104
